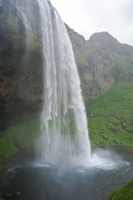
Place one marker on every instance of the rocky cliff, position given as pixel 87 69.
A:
pixel 102 61
pixel 21 81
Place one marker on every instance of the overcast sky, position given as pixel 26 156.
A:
pixel 90 16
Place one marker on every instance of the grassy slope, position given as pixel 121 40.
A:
pixel 123 193
pixel 106 129
pixel 104 126
pixel 17 138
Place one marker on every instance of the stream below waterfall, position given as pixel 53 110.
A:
pixel 110 168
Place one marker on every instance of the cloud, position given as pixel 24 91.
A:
pixel 90 16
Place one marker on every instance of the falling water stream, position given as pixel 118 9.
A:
pixel 64 168
pixel 63 119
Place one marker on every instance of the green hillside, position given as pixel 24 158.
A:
pixel 17 138
pixel 123 193
pixel 105 114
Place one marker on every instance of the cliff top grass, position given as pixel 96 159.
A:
pixel 107 115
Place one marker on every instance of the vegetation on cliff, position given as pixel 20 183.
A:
pixel 19 26
pixel 15 140
pixel 123 193
pixel 19 137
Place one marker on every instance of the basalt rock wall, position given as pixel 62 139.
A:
pixel 102 62
pixel 21 77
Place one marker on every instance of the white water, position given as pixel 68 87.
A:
pixel 63 119
pixel 64 139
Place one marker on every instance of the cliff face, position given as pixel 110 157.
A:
pixel 102 61
pixel 21 81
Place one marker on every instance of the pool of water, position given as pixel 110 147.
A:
pixel 109 169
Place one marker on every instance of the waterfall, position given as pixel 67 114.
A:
pixel 63 119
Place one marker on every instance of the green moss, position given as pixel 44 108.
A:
pixel 14 140
pixel 2 198
pixel 15 28
pixel 8 195
pixel 4 174
pixel 105 137
pixel 123 193
pixel 33 42
pixel 7 149
pixel 19 137
pixel 124 65
pixel 80 58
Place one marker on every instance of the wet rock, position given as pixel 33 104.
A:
pixel 16 193
pixel 0 167
pixel 21 77
pixel 1 198
pixel 8 195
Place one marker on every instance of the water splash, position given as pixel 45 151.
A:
pixel 63 119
